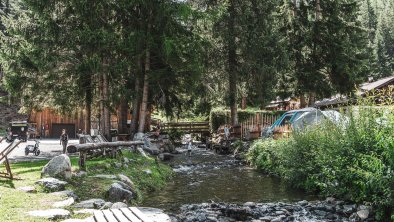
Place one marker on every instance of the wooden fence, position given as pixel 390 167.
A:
pixel 251 128
pixel 187 127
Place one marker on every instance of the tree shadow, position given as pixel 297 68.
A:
pixel 7 183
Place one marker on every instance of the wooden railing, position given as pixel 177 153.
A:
pixel 187 127
pixel 252 127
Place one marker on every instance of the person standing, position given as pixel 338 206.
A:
pixel 189 148
pixel 64 140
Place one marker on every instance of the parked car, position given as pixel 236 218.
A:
pixel 299 119
pixel 17 130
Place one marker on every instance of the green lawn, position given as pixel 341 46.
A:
pixel 15 204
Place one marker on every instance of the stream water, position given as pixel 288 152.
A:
pixel 207 177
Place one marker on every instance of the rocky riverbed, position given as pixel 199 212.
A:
pixel 328 210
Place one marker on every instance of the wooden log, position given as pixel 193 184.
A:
pixel 89 146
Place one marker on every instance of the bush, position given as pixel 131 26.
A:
pixel 353 162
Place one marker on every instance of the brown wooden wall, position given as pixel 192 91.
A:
pixel 49 117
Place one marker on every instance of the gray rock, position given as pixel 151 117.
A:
pixel 118 165
pixel 119 193
pixel 85 211
pixel 28 189
pixel 66 193
pixel 52 184
pixel 107 205
pixel 165 156
pixel 118 205
pixel 363 214
pixel 320 213
pixel 278 219
pixel 90 204
pixel 125 179
pixel 58 167
pixel 148 171
pixel 302 202
pixel 139 136
pixel 152 149
pixel 65 203
pixel 330 200
pixel 52 214
pixel 104 176
pixel 80 174
pixel 126 160
pixel 349 209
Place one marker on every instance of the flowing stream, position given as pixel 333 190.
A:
pixel 206 177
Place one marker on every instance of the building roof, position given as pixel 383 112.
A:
pixel 377 84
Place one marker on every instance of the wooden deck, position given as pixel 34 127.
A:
pixel 131 214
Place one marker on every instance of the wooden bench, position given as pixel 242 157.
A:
pixel 3 158
pixel 130 214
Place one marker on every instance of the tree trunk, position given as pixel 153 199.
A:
pixel 318 10
pixel 302 101
pixel 232 60
pixel 101 115
pixel 145 91
pixel 107 114
pixel 88 106
pixel 312 98
pixel 122 116
pixel 136 108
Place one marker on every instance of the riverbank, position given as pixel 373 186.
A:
pixel 19 197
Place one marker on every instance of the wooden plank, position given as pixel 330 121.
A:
pixel 99 216
pixel 119 215
pixel 109 216
pixel 129 214
pixel 140 215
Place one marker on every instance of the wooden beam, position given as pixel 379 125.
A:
pixel 91 146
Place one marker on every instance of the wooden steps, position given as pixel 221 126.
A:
pixel 130 214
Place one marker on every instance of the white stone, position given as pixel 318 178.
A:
pixel 29 189
pixel 50 214
pixel 65 203
pixel 118 205
pixel 156 215
pixel 85 211
pixel 363 214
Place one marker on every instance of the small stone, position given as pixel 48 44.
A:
pixel 330 200
pixel 125 179
pixel 118 165
pixel 52 214
pixel 28 189
pixel 363 214
pixel 64 203
pixel 266 218
pixel 80 174
pixel 104 176
pixel 349 209
pixel 90 204
pixel 118 205
pixel 85 211
pixel 126 160
pixel 107 205
pixel 302 203
pixel 250 204
pixel 278 219
pixel 66 193
pixel 52 184
pixel 149 172
pixel 320 213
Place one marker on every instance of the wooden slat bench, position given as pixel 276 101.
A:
pixel 131 214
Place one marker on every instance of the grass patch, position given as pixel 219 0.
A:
pixel 14 204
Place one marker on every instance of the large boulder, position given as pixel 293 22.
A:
pixel 125 179
pixel 120 192
pixel 58 167
pixel 51 184
pixel 165 156
pixel 155 214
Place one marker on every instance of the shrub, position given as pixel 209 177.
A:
pixel 354 162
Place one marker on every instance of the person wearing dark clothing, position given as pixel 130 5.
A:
pixel 64 140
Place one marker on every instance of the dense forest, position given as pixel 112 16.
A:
pixel 106 56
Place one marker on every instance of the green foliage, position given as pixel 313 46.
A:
pixel 353 162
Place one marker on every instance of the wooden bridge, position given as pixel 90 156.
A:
pixel 186 127
pixel 130 214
